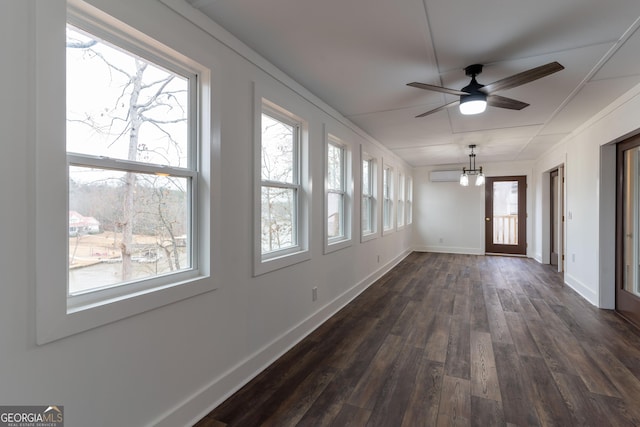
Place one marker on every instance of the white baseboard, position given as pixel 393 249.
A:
pixel 218 390
pixel 583 290
pixel 449 250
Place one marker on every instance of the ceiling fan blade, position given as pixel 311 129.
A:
pixel 523 77
pixel 435 110
pixel 437 88
pixel 503 102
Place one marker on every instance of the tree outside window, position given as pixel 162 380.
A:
pixel 131 169
pixel 280 185
pixel 387 198
pixel 368 208
pixel 336 191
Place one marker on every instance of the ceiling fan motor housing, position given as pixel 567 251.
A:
pixel 473 70
pixel 473 88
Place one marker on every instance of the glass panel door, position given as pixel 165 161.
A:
pixel 505 215
pixel 630 222
pixel 628 230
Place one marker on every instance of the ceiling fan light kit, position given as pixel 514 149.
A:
pixel 475 97
pixel 473 104
pixel 464 177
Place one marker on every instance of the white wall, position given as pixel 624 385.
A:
pixel 450 218
pixel 171 365
pixel 590 197
pixel 553 159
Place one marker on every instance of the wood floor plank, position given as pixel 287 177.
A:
pixel 625 382
pixel 349 416
pixel 438 337
pixel 453 339
pixel 372 380
pixel 458 360
pixel 522 339
pixel 424 402
pixel 486 412
pixel 395 394
pixel 584 410
pixel 484 376
pixel 299 399
pixel 455 403
pixel 498 324
pixel 616 410
pixel 208 422
pixel 479 319
pixel 547 399
pixel 555 359
pixel 508 301
pixel 516 392
pixel 586 368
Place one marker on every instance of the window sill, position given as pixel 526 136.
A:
pixel 263 266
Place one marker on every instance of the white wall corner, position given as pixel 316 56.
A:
pixel 582 289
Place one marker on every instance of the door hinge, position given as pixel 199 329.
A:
pixel 562 257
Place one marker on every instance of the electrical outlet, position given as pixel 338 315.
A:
pixel 441 240
pixel 314 294
pixel 378 259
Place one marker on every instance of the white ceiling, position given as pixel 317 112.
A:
pixel 358 55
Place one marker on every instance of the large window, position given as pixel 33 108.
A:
pixel 368 223
pixel 280 183
pixel 401 196
pixel 282 205
pixel 387 198
pixel 134 227
pixel 337 194
pixel 132 165
pixel 409 203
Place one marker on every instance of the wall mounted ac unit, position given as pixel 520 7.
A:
pixel 445 176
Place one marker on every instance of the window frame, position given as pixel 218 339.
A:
pixel 388 194
pixel 339 242
pixel 372 180
pixel 400 205
pixel 57 314
pixel 273 260
pixel 409 201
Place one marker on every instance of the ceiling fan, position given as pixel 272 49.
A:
pixel 475 96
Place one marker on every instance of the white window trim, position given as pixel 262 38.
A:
pixel 375 188
pixel 400 200
pixel 279 259
pixel 392 224
pixel 346 240
pixel 409 200
pixel 55 319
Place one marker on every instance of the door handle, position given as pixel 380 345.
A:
pixel 487 219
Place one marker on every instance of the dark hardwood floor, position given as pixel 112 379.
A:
pixel 448 340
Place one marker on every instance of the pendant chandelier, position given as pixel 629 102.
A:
pixel 464 178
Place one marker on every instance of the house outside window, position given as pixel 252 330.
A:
pixel 132 165
pixel 122 139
